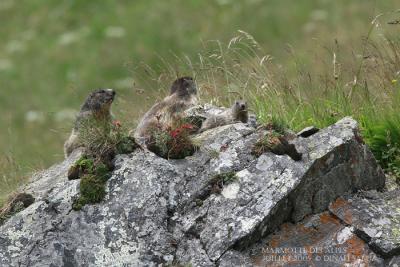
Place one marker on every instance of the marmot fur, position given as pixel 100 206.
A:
pixel 183 95
pixel 237 113
pixel 97 107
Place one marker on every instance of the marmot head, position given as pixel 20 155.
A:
pixel 184 86
pixel 240 105
pixel 99 100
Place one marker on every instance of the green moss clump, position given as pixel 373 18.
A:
pixel 94 175
pixel 82 166
pixel 92 190
pixel 102 172
pixel 78 204
pixel 85 163
pixel 126 145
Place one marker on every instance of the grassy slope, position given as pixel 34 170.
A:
pixel 53 52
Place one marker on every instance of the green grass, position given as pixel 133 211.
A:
pixel 11 177
pixel 52 53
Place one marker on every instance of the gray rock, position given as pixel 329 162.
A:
pixel 236 258
pixel 394 262
pixel 391 183
pixel 168 212
pixel 375 217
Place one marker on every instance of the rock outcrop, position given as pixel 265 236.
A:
pixel 160 211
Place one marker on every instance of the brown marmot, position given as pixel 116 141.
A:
pixel 237 113
pixel 96 109
pixel 183 95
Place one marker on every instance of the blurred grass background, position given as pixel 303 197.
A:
pixel 52 53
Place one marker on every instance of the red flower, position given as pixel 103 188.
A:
pixel 187 126
pixel 116 123
pixel 178 131
pixel 175 133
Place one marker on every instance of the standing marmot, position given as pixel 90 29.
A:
pixel 96 109
pixel 183 95
pixel 238 112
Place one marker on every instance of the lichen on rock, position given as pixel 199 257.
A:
pixel 158 212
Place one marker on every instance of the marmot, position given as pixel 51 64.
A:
pixel 237 112
pixel 97 107
pixel 183 95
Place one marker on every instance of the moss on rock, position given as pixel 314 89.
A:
pixel 92 190
pixel 94 175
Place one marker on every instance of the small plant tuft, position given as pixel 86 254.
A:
pixel 220 180
pixel 276 143
pixel 15 203
pixel 268 143
pixel 172 143
pixel 277 125
pixel 126 145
